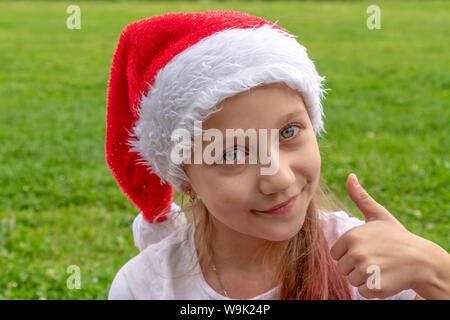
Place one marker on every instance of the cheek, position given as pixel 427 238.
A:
pixel 314 172
pixel 227 197
pixel 307 161
pixel 316 162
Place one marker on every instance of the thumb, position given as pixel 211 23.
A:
pixel 371 209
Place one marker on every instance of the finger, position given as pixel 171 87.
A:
pixel 339 248
pixel 356 278
pixel 346 264
pixel 367 293
pixel 371 209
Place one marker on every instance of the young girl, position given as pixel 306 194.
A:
pixel 253 235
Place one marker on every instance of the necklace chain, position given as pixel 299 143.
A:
pixel 220 281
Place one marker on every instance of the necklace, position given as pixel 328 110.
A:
pixel 220 281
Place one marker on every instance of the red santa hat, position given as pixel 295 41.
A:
pixel 173 69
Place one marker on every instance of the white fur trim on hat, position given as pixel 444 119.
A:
pixel 195 81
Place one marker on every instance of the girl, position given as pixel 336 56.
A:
pixel 253 235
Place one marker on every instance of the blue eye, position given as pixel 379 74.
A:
pixel 230 155
pixel 290 131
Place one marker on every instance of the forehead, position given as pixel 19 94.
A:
pixel 260 107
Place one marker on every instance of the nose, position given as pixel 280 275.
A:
pixel 281 179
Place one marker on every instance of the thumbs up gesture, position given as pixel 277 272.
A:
pixel 371 209
pixel 380 258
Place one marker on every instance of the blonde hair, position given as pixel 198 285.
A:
pixel 307 270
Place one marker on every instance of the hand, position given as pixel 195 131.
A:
pixel 381 257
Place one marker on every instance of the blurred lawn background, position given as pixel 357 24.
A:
pixel 387 118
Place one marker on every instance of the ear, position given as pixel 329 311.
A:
pixel 185 188
pixel 188 190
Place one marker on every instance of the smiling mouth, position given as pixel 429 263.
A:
pixel 281 208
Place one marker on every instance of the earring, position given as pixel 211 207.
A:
pixel 191 198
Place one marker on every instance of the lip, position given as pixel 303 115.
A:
pixel 282 207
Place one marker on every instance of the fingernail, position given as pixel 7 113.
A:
pixel 355 180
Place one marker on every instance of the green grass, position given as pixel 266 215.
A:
pixel 387 119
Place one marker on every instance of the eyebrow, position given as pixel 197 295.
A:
pixel 284 118
pixel 291 115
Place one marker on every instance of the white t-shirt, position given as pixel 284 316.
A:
pixel 166 251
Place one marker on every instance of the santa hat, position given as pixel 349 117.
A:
pixel 173 69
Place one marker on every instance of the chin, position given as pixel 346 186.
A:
pixel 288 231
pixel 293 232
pixel 283 236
